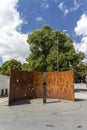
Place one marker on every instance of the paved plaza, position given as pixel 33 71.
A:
pixel 54 115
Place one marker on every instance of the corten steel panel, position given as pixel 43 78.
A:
pixel 25 85
pixel 60 85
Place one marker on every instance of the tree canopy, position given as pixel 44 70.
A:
pixel 6 67
pixel 43 47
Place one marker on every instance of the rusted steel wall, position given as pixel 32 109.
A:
pixel 60 85
pixel 28 85
pixel 25 85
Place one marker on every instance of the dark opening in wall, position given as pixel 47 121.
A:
pixel 2 92
pixel 6 92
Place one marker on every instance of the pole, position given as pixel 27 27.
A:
pixel 64 31
pixel 44 88
pixel 57 55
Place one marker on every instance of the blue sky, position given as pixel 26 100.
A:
pixel 57 13
pixel 21 17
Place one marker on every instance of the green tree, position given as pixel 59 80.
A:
pixel 43 46
pixel 0 68
pixel 25 67
pixel 80 72
pixel 6 66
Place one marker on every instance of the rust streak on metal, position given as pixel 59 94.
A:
pixel 25 85
pixel 60 85
pixel 29 85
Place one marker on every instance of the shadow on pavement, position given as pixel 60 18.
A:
pixel 20 102
pixel 80 90
pixel 79 99
pixel 49 102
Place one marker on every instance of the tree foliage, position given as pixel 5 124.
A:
pixel 43 46
pixel 6 66
pixel 25 67
pixel 80 72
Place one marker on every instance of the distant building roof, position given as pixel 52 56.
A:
pixel 4 77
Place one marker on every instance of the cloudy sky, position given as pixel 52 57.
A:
pixel 18 18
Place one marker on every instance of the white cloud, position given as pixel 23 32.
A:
pixel 45 4
pixel 63 8
pixel 81 30
pixel 67 10
pixel 75 6
pixel 39 19
pixel 12 43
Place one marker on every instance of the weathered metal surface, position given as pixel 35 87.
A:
pixel 28 85
pixel 25 85
pixel 60 85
